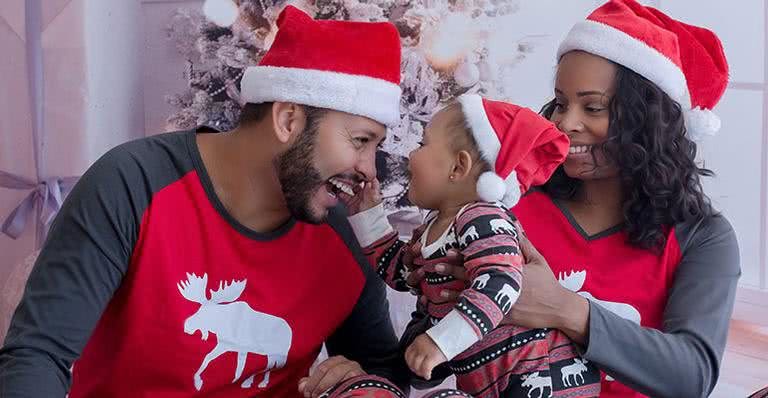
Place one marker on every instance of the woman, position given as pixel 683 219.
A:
pixel 646 270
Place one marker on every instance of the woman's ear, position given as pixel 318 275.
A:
pixel 288 120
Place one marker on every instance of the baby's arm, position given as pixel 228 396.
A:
pixel 379 240
pixel 488 240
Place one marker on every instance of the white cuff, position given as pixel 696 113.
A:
pixel 453 334
pixel 370 225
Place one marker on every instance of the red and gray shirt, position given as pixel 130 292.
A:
pixel 148 285
pixel 658 321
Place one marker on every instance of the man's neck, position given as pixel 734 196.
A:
pixel 244 178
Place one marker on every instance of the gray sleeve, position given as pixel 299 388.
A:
pixel 81 264
pixel 367 335
pixel 683 359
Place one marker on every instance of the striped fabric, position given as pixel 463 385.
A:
pixel 486 235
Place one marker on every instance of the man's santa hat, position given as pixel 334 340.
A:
pixel 523 148
pixel 687 62
pixel 352 67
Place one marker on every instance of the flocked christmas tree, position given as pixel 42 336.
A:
pixel 449 48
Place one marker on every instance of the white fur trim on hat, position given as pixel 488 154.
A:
pixel 700 123
pixel 482 130
pixel 613 44
pixel 366 96
pixel 512 194
pixel 490 187
pixel 221 12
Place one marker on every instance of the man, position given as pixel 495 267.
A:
pixel 168 240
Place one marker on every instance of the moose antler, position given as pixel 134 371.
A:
pixel 228 291
pixel 572 280
pixel 193 289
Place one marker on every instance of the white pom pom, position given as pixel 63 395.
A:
pixel 512 194
pixel 700 123
pixel 221 12
pixel 490 187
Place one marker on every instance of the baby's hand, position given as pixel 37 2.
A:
pixel 367 197
pixel 423 355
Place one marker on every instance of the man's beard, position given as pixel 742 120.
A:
pixel 298 176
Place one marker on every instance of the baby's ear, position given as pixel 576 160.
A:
pixel 463 164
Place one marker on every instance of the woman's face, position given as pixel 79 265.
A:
pixel 583 89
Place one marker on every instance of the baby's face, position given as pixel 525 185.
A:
pixel 431 164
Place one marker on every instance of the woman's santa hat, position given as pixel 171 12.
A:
pixel 326 64
pixel 687 62
pixel 523 147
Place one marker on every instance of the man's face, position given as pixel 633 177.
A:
pixel 334 154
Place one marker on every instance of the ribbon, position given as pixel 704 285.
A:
pixel 45 197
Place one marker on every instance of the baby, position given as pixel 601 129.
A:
pixel 476 158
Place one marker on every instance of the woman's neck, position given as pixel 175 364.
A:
pixel 597 205
pixel 603 193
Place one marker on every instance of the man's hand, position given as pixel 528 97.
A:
pixel 423 355
pixel 329 373
pixel 367 197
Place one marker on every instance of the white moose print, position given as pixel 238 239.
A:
pixel 481 281
pixel 574 281
pixel 470 233
pixel 574 370
pixel 500 225
pixel 535 382
pixel 237 326
pixel 509 293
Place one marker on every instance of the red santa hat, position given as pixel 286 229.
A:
pixel 352 67
pixel 687 62
pixel 523 147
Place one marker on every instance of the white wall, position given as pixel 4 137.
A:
pixel 113 33
pixel 164 68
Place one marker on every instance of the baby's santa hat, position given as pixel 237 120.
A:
pixel 523 147
pixel 326 64
pixel 687 62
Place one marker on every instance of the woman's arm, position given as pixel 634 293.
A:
pixel 682 359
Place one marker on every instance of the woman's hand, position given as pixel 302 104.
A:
pixel 453 265
pixel 544 303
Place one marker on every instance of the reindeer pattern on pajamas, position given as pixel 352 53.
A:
pixel 488 359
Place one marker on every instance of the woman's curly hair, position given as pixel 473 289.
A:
pixel 656 161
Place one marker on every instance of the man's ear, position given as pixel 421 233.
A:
pixel 288 120
pixel 462 165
